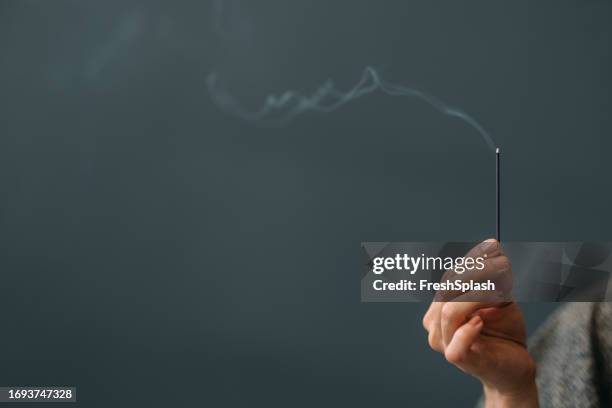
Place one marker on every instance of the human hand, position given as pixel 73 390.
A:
pixel 485 337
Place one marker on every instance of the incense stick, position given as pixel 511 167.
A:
pixel 497 192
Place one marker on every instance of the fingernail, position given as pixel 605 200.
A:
pixel 489 245
pixel 477 320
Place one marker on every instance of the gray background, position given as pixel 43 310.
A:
pixel 158 252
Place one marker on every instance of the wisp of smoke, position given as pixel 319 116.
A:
pixel 280 109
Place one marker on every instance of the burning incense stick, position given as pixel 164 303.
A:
pixel 497 188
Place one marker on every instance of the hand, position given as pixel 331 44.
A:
pixel 486 338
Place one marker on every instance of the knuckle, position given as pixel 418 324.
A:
pixel 434 341
pixel 454 356
pixel 425 321
pixel 448 312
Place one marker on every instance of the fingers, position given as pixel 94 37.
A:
pixel 455 314
pixel 444 319
pixel 459 350
pixel 431 322
pixel 495 267
pixel 432 314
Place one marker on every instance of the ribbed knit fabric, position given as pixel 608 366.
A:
pixel 573 353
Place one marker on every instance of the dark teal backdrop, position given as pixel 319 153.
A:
pixel 155 251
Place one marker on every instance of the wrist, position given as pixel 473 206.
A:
pixel 527 397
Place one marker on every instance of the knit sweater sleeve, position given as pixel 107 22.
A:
pixel 573 353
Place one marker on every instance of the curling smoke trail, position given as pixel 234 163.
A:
pixel 281 109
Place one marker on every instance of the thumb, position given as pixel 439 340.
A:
pixel 458 351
